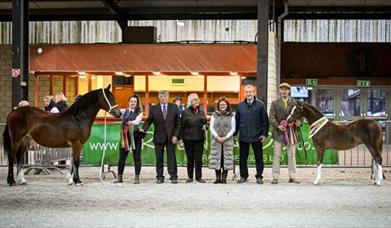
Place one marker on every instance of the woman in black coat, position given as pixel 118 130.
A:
pixel 193 127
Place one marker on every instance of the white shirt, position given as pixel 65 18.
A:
pixel 230 133
pixel 54 110
pixel 250 102
pixel 161 106
pixel 138 118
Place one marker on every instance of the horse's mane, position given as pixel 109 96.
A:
pixel 312 108
pixel 84 102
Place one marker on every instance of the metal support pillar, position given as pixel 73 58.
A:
pixel 262 49
pixel 20 52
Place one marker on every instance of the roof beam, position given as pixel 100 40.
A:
pixel 116 10
pixel 113 12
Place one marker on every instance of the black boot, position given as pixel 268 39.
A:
pixel 119 180
pixel 224 177
pixel 218 177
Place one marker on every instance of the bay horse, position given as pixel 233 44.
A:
pixel 329 135
pixel 70 128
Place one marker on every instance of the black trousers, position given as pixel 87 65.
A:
pixel 244 148
pixel 194 151
pixel 171 161
pixel 136 158
pixel 222 157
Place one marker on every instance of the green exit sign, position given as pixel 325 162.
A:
pixel 177 80
pixel 311 82
pixel 363 83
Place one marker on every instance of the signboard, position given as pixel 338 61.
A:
pixel 363 83
pixel 177 80
pixel 94 147
pixel 311 82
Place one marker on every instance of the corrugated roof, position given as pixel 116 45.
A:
pixel 144 58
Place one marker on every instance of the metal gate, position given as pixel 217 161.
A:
pixel 44 159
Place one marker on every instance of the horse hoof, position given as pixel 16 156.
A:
pixel 23 183
pixel 11 182
pixel 79 184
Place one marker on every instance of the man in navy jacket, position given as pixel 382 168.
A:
pixel 252 123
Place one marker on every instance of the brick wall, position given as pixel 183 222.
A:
pixel 5 81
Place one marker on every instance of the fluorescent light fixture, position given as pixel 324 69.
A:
pixel 119 73
pixel 127 75
pixel 82 74
pixel 180 23
pixel 233 73
pixel 243 77
pixel 155 72
pixel 194 73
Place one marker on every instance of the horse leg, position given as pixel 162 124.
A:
pixel 71 173
pixel 10 178
pixel 76 178
pixel 379 173
pixel 320 154
pixel 20 171
pixel 373 170
pixel 11 159
pixel 377 169
pixel 76 147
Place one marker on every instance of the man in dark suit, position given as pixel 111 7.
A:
pixel 166 120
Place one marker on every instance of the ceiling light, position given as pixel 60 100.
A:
pixel 180 23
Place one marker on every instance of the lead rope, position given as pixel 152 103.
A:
pixel 104 151
pixel 105 137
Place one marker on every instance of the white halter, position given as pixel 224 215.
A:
pixel 317 125
pixel 107 100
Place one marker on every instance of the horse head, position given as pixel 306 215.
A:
pixel 108 102
pixel 297 112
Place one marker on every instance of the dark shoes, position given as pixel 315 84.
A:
pixel 224 177
pixel 202 181
pixel 189 180
pixel 218 177
pixel 136 179
pixel 259 180
pixel 242 180
pixel 274 181
pixel 119 180
pixel 293 180
pixel 174 181
pixel 159 181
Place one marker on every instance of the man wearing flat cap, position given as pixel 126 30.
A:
pixel 284 134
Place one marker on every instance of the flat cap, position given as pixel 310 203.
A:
pixel 284 84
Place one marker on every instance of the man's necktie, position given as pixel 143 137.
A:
pixel 164 111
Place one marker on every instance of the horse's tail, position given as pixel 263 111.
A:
pixel 6 140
